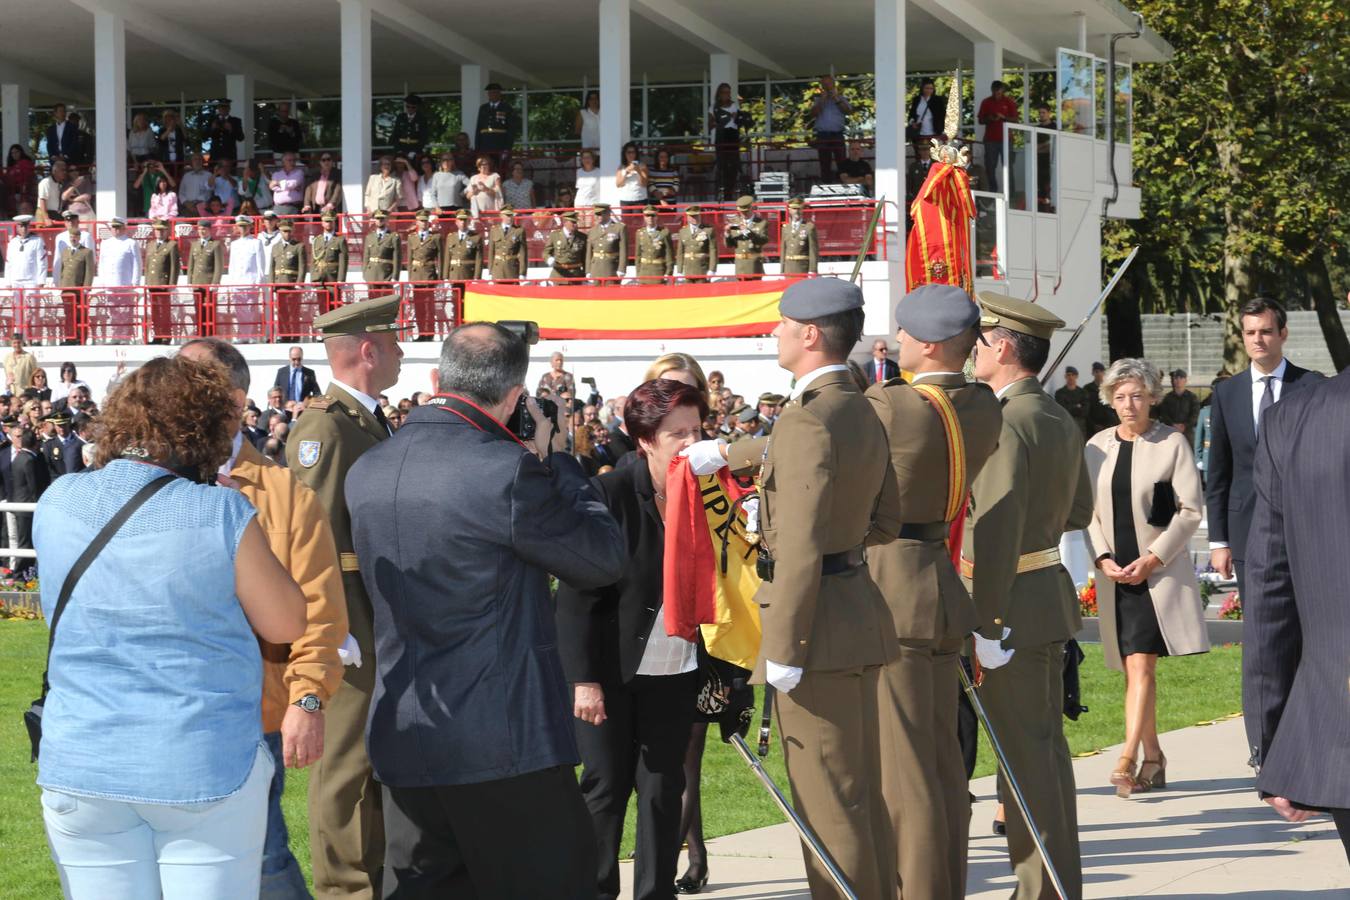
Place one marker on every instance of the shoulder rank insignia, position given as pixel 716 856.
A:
pixel 309 453
pixel 319 402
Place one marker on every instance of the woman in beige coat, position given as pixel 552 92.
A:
pixel 1147 506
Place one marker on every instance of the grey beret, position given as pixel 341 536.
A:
pixel 748 415
pixel 1070 370
pixel 815 298
pixel 936 312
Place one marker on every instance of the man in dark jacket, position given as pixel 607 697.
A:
pixel 470 730
pixel 296 381
pixel 29 478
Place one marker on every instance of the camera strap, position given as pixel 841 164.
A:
pixel 475 415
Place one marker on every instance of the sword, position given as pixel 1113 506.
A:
pixel 765 721
pixel 1007 770
pixel 1110 286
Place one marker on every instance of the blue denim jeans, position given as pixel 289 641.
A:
pixel 281 875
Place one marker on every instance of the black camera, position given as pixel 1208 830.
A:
pixel 521 422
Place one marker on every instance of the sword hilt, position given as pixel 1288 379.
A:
pixel 765 721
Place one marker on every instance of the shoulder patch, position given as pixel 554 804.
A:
pixel 308 453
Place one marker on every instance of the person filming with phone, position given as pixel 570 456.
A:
pixel 458 520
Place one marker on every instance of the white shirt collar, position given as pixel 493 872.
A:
pixel 1007 387
pixel 238 442
pixel 931 375
pixel 365 400
pixel 1257 374
pixel 805 381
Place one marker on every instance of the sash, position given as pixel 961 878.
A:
pixel 957 488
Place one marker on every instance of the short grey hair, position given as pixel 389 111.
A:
pixel 483 361
pixel 228 356
pixel 1123 370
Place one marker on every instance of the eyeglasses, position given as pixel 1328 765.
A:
pixel 325 159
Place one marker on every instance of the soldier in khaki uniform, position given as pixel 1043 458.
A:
pixel 424 264
pixel 655 255
pixel 345 817
pixel 382 258
pixel 206 262
pixel 606 248
pixel 76 264
pixel 328 260
pixel 746 234
pixel 566 250
pixel 161 274
pixel 698 246
pixel 287 266
pixel 923 778
pixel 1033 489
pixel 827 632
pixel 463 251
pixel 508 247
pixel 797 252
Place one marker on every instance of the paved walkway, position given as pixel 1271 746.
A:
pixel 1205 836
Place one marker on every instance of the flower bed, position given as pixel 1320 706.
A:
pixel 18 596
pixel 1087 597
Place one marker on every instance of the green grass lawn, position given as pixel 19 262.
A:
pixel 1192 689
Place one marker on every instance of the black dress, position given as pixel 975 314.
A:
pixel 1137 628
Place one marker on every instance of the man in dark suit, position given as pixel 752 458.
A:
pixel 879 369
pixel 470 729
pixel 29 479
pixel 1238 404
pixel 1294 662
pixel 296 381
pixel 224 132
pixel 63 136
pixel 81 432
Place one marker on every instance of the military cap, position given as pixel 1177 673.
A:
pixel 1002 311
pixel 413 100
pixel 58 418
pixel 600 207
pixel 493 86
pixel 329 216
pixel 570 215
pixel 68 215
pixel 1178 373
pixel 362 317
pixel 775 399
pixel 1098 367
pixel 117 221
pixel 162 222
pixel 461 214
pixel 379 214
pixel 507 210
pixel 1070 370
pixel 205 223
pixel 9 421
pixel 745 202
pixel 243 220
pixel 649 210
pixel 747 414
pixel 796 203
pixel 423 214
pixel 815 298
pixel 270 214
pixel 286 225
pixel 936 312
pixel 23 220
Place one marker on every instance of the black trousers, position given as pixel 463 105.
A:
pixel 641 744
pixel 515 838
pixel 1342 819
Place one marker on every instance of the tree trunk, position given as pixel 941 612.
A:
pixel 1328 313
pixel 1237 264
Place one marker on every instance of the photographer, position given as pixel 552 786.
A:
pixel 457 523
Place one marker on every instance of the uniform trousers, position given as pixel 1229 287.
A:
pixel 161 320
pixel 518 838
pixel 1025 704
pixel 832 748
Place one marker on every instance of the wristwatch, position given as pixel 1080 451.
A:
pixel 309 703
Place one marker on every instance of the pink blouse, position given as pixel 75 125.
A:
pixel 164 205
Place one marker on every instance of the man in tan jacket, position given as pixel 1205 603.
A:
pixel 923 778
pixel 298 679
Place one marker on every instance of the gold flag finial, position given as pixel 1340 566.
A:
pixel 950 152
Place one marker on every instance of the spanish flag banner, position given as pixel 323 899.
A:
pixel 939 243
pixel 720 309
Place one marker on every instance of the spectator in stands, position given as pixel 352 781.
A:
pixel 163 202
pixel 995 109
pixel 518 191
pixel 194 189
pixel 383 189
pixel 224 187
pixel 426 174
pixel 76 396
pixel 19 183
pixel 69 379
pixel 410 130
pixel 725 121
pixel 149 178
pixel 287 186
pixel 927 115
pixel 20 365
pixel 324 194
pixel 829 113
pixel 566 200
pixel 83 154
pixel 447 185
pixel 78 197
pixel 855 169
pixel 141 141
pixel 50 191
pixel 497 127
pixel 556 380
pixel 663 181
pixel 631 177
pixel 463 153
pixel 409 187
pixel 172 142
pixel 62 137
pixel 283 132
pixel 223 134
pixel 181 681
pixel 255 190
pixel 485 189
pixel 587 191
pixel 252 433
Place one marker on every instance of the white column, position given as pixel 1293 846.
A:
pixel 1082 32
pixel 615 86
pixel 239 88
pixel 354 18
pixel 988 68
pixel 110 114
pixel 724 67
pixel 472 78
pixel 14 117
pixel 889 167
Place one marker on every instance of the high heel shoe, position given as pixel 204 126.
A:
pixel 1123 778
pixel 688 884
pixel 1153 774
pixel 1000 827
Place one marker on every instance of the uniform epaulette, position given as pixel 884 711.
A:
pixel 323 402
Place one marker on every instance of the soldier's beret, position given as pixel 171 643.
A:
pixel 1070 370
pixel 1098 367
pixel 1002 311
pixel 329 216
pixel 379 214
pixel 745 202
pixel 9 421
pixel 23 220
pixel 363 317
pixel 461 214
pixel 600 207
pixel 243 220
pixel 935 312
pixel 649 210
pixel 815 298
pixel 747 414
pixel 507 210
pixel 693 210
pixel 570 215
pixel 796 203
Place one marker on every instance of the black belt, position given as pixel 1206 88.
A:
pixel 927 531
pixel 838 563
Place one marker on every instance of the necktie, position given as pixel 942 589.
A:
pixel 1267 399
pixel 295 384
pixel 384 422
pixel 881 372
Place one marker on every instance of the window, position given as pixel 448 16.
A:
pixel 1046 164
pixel 1124 103
pixel 1019 146
pixel 988 263
pixel 1041 100
pixel 675 111
pixel 1076 112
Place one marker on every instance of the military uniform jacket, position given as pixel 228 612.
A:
pixel 1076 402
pixel 698 251
pixel 746 240
pixel 324 442
pixel 382 258
pixel 825 466
pixel 288 262
pixel 797 252
pixel 161 263
pixel 463 256
pixel 54 453
pixel 509 251
pixel 1033 489
pixel 206 262
pixel 77 266
pixel 569 254
pixel 424 256
pixel 655 255
pixel 328 257
pixel 1179 409
pixel 607 250
pixel 917 578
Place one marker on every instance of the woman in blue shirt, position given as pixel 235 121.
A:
pixel 153 770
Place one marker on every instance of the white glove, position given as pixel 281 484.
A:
pixel 991 653
pixel 751 507
pixel 783 678
pixel 549 262
pixel 705 457
pixel 350 652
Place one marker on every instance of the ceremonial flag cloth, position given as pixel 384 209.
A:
pixel 938 251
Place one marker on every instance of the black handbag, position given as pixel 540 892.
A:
pixel 1073 692
pixel 1164 504
pixel 32 717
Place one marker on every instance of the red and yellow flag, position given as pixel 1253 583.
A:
pixel 938 251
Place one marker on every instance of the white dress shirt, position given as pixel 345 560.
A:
pixel 923 375
pixel 1259 389
pixel 26 261
pixel 62 242
pixel 119 262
